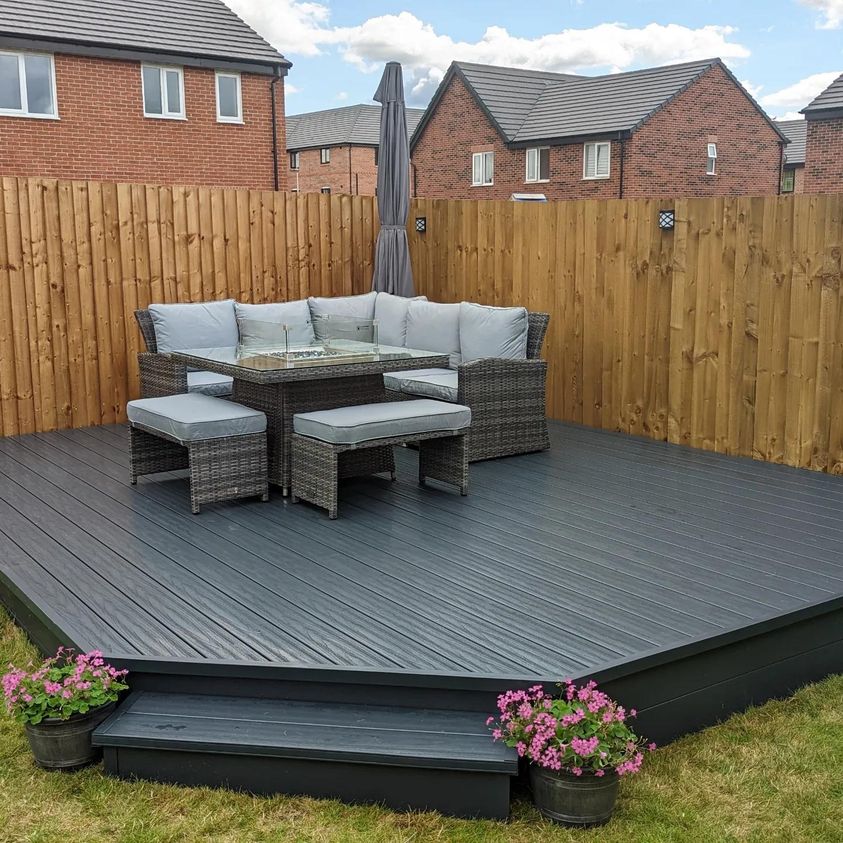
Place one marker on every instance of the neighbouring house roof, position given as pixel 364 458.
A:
pixel 351 125
pixel 796 131
pixel 197 28
pixel 532 106
pixel 830 100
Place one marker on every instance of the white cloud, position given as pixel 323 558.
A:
pixel 754 90
pixel 790 115
pixel 342 96
pixel 291 89
pixel 304 28
pixel 831 11
pixel 800 93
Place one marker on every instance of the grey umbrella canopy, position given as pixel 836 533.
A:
pixel 393 273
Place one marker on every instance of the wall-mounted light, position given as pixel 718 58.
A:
pixel 421 224
pixel 666 220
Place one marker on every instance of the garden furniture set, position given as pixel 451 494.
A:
pixel 330 385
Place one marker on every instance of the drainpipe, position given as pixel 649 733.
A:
pixel 350 189
pixel 620 172
pixel 276 78
pixel 781 168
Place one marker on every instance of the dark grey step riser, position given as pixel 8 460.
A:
pixel 455 793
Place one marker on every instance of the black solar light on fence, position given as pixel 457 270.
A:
pixel 666 220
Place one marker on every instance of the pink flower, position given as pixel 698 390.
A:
pixel 651 747
pixel 577 771
pixel 599 773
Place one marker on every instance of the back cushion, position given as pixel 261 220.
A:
pixel 432 326
pixel 260 323
pixel 492 332
pixel 354 307
pixel 206 325
pixel 391 313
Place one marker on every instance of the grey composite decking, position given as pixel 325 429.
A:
pixel 604 550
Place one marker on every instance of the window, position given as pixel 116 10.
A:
pixel 325 190
pixel 163 92
pixel 294 160
pixel 325 155
pixel 788 179
pixel 711 162
pixel 538 164
pixel 229 101
pixel 596 160
pixel 482 168
pixel 27 85
pixel 376 156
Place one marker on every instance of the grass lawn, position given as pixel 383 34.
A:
pixel 774 773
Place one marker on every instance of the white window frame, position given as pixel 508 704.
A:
pixel 295 157
pixel 166 114
pixel 536 150
pixel 24 111
pixel 597 175
pixel 711 159
pixel 236 76
pixel 325 155
pixel 481 156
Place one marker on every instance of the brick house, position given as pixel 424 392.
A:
pixel 139 90
pixel 336 150
pixel 688 129
pixel 824 143
pixel 793 171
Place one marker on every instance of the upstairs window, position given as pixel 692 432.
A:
pixel 325 155
pixel 596 158
pixel 229 99
pixel 788 180
pixel 711 161
pixel 538 164
pixel 294 160
pixel 163 92
pixel 27 85
pixel 376 156
pixel 325 190
pixel 482 168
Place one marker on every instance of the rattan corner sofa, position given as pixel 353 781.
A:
pixel 495 367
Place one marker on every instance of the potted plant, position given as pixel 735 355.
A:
pixel 578 744
pixel 60 704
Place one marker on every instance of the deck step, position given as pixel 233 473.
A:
pixel 406 758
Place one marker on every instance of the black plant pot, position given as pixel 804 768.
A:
pixel 66 744
pixel 574 800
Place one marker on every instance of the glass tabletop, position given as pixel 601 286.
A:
pixel 337 352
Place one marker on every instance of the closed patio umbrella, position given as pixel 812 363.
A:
pixel 393 273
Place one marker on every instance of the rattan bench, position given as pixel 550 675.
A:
pixel 330 444
pixel 222 443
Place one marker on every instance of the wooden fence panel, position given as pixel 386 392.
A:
pixel 725 333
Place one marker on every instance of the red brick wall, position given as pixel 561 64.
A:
pixel 824 156
pixel 351 170
pixel 667 156
pixel 102 133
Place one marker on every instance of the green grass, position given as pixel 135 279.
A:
pixel 772 774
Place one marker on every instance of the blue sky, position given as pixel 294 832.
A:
pixel 785 51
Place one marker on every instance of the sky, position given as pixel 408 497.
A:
pixel 784 51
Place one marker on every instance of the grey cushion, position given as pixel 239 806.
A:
pixel 440 384
pixel 391 313
pixel 192 417
pixel 210 383
pixel 263 323
pixel 353 425
pixel 432 326
pixel 352 307
pixel 492 332
pixel 204 325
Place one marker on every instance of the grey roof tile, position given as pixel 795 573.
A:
pixel 830 98
pixel 350 124
pixel 191 27
pixel 796 131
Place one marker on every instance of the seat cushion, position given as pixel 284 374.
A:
pixel 193 416
pixel 205 325
pixel 391 315
pixel 365 422
pixel 350 307
pixel 210 383
pixel 440 384
pixel 432 326
pixel 264 323
pixel 492 332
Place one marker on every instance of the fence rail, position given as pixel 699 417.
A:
pixel 725 333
